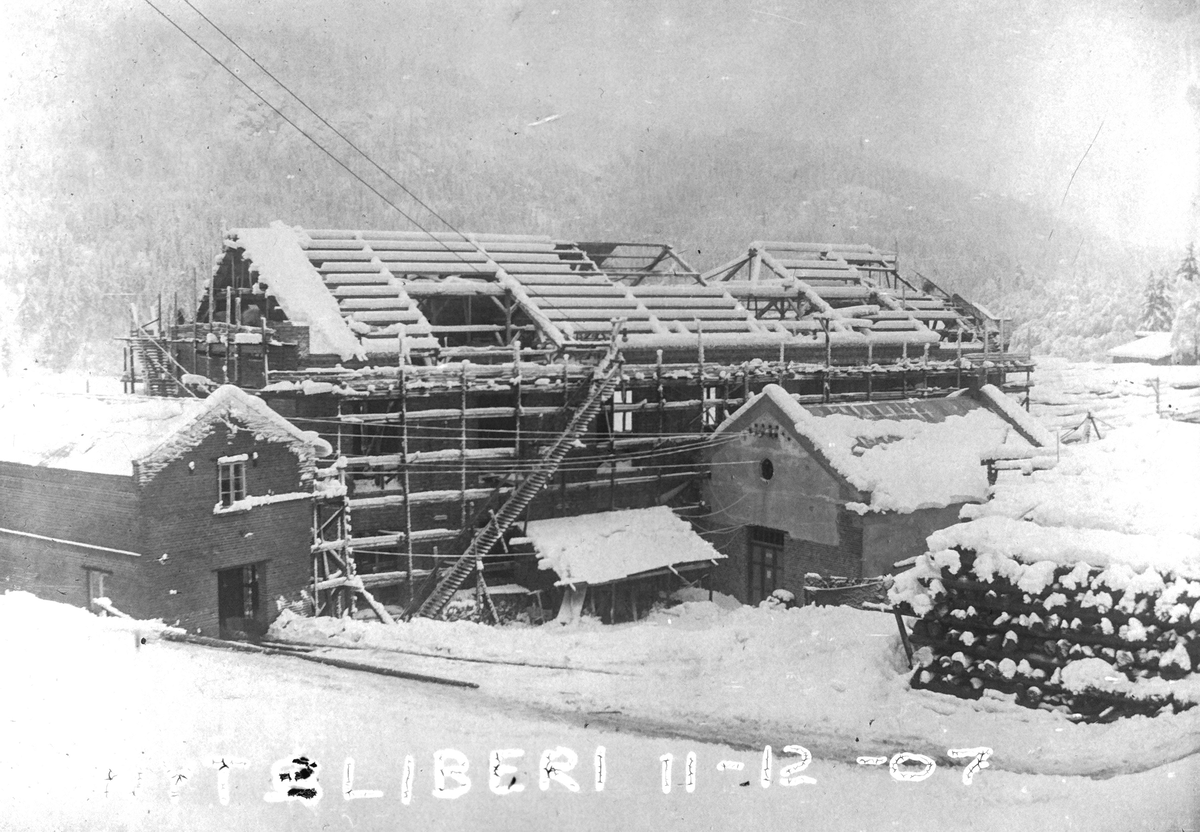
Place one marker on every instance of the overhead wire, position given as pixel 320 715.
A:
pixel 433 431
pixel 465 238
pixel 283 116
pixel 323 120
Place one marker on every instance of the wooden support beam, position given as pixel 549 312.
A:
pixel 376 607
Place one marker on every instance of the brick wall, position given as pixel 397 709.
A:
pixel 179 521
pixel 98 509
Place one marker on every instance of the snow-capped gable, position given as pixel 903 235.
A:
pixel 225 404
pixel 277 256
pixel 108 434
pixel 905 455
pixel 789 409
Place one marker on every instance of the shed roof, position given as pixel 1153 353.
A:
pixel 904 455
pixel 1154 346
pixel 109 434
pixel 599 548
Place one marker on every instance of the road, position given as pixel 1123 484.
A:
pixel 136 751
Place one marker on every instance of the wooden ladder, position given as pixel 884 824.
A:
pixel 151 354
pixel 604 379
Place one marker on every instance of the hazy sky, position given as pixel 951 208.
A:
pixel 1006 96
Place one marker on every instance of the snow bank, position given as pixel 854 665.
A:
pixel 1137 480
pixel 67 660
pixel 832 677
pixel 1116 395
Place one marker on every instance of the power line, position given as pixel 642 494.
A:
pixel 307 135
pixel 322 119
pixel 543 300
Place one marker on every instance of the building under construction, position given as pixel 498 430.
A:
pixel 475 386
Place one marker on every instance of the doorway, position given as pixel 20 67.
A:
pixel 766 563
pixel 238 602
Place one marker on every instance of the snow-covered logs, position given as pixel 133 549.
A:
pixel 1004 608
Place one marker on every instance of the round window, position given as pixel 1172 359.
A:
pixel 767 469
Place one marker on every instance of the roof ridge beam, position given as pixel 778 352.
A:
pixel 522 298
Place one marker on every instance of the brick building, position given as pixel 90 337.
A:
pixel 848 489
pixel 193 511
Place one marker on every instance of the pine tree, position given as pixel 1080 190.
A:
pixel 1185 331
pixel 1158 310
pixel 1188 269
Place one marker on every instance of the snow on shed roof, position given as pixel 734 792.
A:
pixel 108 434
pixel 1153 347
pixel 598 548
pixel 907 455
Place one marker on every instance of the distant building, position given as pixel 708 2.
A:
pixel 848 489
pixel 195 511
pixel 1149 348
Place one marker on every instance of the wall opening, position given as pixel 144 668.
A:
pixel 238 602
pixel 766 563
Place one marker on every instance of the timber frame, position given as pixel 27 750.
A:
pixel 479 364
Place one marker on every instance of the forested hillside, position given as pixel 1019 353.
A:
pixel 131 158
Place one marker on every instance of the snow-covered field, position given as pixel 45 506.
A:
pixel 100 732
pixel 82 705
pixel 1116 395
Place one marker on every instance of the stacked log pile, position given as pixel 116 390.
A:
pixel 1097 643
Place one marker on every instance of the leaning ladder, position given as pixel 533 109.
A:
pixel 604 379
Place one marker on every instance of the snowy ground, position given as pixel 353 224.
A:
pixel 99 734
pixel 835 676
pixel 717 679
pixel 1117 395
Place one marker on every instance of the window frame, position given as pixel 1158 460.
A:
pixel 621 421
pixel 231 480
pixel 711 402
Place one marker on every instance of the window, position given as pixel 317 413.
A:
pixel 766 562
pixel 711 404
pixel 95 585
pixel 766 469
pixel 232 479
pixel 622 421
